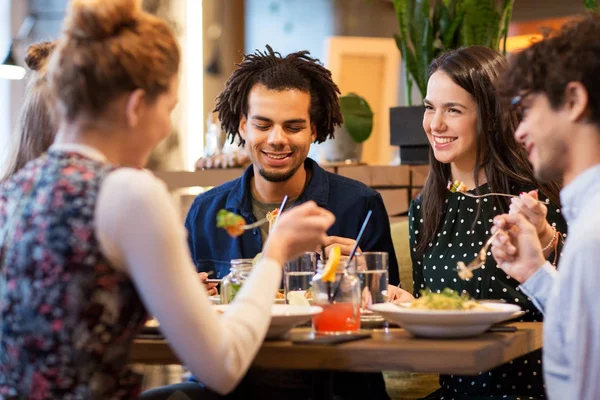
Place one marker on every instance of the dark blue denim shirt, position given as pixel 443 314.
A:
pixel 349 200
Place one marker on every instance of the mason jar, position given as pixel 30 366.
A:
pixel 340 300
pixel 232 282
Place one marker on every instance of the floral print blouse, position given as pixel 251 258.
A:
pixel 68 318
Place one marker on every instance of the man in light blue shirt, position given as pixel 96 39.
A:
pixel 556 84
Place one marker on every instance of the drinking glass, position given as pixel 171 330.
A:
pixel 297 277
pixel 340 300
pixel 373 271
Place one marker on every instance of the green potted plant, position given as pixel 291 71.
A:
pixel 358 125
pixel 425 33
pixel 591 5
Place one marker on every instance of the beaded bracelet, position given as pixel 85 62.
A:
pixel 551 240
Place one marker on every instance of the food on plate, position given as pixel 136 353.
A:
pixel 280 295
pixel 331 266
pixel 464 273
pixel 298 298
pixel 231 222
pixel 457 186
pixel 448 299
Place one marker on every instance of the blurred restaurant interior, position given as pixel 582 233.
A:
pixel 353 38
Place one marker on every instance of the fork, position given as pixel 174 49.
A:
pixel 478 196
pixel 466 271
pixel 255 224
pixel 264 220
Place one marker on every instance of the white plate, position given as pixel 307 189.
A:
pixel 216 299
pixel 284 317
pixel 442 323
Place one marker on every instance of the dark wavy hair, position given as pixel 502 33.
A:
pixel 568 55
pixel 294 71
pixel 476 69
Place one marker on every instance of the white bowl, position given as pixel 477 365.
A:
pixel 445 323
pixel 284 317
pixel 216 299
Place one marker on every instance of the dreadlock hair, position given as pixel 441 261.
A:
pixel 295 71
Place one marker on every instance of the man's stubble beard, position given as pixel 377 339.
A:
pixel 279 177
pixel 553 168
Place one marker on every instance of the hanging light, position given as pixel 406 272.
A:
pixel 10 69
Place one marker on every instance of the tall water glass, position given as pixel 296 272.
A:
pixel 372 269
pixel 297 277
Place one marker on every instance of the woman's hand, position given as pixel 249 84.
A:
pixel 535 213
pixel 516 249
pixel 398 295
pixel 301 228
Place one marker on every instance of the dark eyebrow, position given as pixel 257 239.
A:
pixel 446 105
pixel 264 119
pixel 289 121
pixel 451 104
pixel 296 121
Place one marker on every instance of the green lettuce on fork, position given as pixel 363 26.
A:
pixel 231 222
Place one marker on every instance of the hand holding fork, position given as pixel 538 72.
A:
pixel 466 271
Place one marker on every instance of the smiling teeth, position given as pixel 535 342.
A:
pixel 444 140
pixel 277 157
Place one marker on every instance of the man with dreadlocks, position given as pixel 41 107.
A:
pixel 276 107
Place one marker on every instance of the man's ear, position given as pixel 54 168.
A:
pixel 313 132
pixel 134 107
pixel 576 101
pixel 242 127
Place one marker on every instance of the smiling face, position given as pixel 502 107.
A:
pixel 544 133
pixel 277 131
pixel 450 121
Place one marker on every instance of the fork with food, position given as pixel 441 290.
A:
pixel 235 224
pixel 459 187
pixel 466 271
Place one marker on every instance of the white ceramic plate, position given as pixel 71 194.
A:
pixel 445 324
pixel 284 317
pixel 216 299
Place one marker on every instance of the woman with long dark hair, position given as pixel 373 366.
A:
pixel 470 129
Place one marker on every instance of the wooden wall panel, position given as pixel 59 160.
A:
pixel 369 67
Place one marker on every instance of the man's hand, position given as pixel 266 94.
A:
pixel 211 288
pixel 345 244
pixel 517 248
pixel 299 229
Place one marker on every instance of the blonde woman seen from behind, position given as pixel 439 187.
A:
pixel 92 244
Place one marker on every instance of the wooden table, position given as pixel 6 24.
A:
pixel 391 350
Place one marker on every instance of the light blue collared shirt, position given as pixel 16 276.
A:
pixel 570 298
